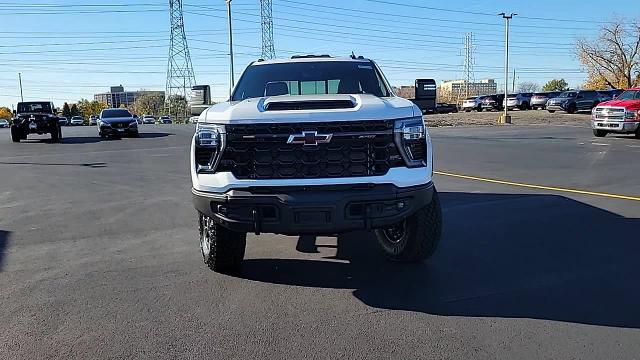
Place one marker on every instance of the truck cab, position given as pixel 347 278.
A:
pixel 425 95
pixel 621 115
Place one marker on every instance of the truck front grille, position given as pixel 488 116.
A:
pixel 361 148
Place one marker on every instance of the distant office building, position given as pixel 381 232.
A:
pixel 117 96
pixel 482 87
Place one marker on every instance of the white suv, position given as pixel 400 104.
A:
pixel 314 145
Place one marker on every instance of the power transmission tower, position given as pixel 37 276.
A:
pixel 469 73
pixel 180 76
pixel 266 20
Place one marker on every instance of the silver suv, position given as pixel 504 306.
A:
pixel 520 101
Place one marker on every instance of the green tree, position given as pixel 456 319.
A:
pixel 74 110
pixel 177 106
pixel 88 108
pixel 66 111
pixel 148 104
pixel 5 113
pixel 556 85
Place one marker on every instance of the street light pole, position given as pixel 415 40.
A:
pixel 506 119
pixel 231 77
pixel 20 80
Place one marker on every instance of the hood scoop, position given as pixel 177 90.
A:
pixel 283 103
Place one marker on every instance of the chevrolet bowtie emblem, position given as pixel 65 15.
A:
pixel 309 138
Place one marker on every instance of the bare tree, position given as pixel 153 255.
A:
pixel 527 87
pixel 613 57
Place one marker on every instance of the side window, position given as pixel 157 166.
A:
pixel 332 86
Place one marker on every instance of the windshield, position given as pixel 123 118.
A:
pixel 115 113
pixel 76 118
pixel 309 78
pixel 568 94
pixel 629 95
pixel 39 107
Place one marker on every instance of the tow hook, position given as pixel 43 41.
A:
pixel 256 221
pixel 367 217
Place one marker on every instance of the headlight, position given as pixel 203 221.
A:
pixel 103 123
pixel 209 141
pixel 411 139
pixel 134 123
pixel 631 115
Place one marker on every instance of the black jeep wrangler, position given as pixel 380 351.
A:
pixel 35 117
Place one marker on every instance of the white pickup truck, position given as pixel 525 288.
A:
pixel 314 145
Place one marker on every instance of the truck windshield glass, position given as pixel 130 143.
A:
pixel 115 113
pixel 309 78
pixel 629 95
pixel 41 107
pixel 567 94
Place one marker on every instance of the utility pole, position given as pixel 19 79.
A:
pixel 468 72
pixel 231 77
pixel 180 76
pixel 506 119
pixel 513 87
pixel 266 22
pixel 20 80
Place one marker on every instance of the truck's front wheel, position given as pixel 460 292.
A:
pixel 16 134
pixel 56 133
pixel 222 249
pixel 599 133
pixel 417 237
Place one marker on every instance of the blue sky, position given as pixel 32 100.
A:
pixel 71 49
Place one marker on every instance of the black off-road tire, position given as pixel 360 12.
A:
pixel 55 134
pixel 16 135
pixel 419 236
pixel 225 247
pixel 637 133
pixel 551 111
pixel 572 109
pixel 599 133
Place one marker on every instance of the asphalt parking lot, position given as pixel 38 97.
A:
pixel 99 258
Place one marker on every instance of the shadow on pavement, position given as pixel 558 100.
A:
pixel 4 245
pixel 512 256
pixel 89 165
pixel 154 135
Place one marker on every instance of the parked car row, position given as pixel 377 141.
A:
pixel 93 120
pixel 569 101
pixel 574 101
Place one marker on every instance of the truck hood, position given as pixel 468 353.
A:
pixel 310 108
pixel 628 104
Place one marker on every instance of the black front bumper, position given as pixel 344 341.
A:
pixel 110 131
pixel 327 209
pixel 39 127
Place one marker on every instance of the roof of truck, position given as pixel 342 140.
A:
pixel 311 58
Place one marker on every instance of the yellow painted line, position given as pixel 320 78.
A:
pixel 540 187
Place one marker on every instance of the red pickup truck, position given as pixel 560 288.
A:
pixel 620 115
